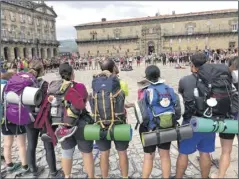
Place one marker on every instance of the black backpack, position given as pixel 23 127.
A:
pixel 107 100
pixel 214 81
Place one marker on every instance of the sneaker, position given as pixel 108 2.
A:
pixel 63 132
pixel 59 174
pixel 23 172
pixel 15 167
pixel 45 138
pixel 31 174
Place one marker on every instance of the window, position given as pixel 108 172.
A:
pixel 127 50
pixel 22 20
pixel 88 52
pixel 4 31
pixel 234 27
pixel 190 30
pixel 51 24
pixel 13 31
pixel 46 33
pixel 46 23
pixel 171 41
pixel 107 51
pixel 232 45
pixel 37 22
pixel 22 33
pixel 29 19
pixel 12 16
pixel 98 51
pixel 2 14
pixel 117 51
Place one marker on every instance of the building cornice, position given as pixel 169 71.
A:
pixel 30 6
pixel 162 18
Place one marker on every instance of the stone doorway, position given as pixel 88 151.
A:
pixel 151 47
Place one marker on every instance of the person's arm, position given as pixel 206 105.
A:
pixel 180 87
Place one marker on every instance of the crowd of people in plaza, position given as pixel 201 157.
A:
pixel 61 117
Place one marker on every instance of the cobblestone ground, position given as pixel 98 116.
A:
pixel 135 151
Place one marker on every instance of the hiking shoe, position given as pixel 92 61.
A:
pixel 63 132
pixel 15 167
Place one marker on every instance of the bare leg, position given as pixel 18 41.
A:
pixel 148 164
pixel 181 166
pixel 7 151
pixel 104 163
pixel 225 158
pixel 89 164
pixel 165 163
pixel 21 144
pixel 123 160
pixel 205 164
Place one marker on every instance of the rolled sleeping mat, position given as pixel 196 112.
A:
pixel 141 111
pixel 2 90
pixel 121 132
pixel 208 125
pixel 32 96
pixel 230 126
pixel 12 97
pixel 166 135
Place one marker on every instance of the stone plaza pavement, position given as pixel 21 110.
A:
pixel 135 151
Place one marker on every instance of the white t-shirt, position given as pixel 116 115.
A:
pixel 235 76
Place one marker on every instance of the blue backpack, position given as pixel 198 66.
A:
pixel 160 101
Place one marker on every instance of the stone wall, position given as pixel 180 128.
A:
pixel 210 31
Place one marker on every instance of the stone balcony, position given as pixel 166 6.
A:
pixel 29 41
pixel 208 32
pixel 107 39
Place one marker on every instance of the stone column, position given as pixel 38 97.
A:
pixel 11 53
pixel 52 55
pixel 29 52
pixel 2 51
pixel 20 52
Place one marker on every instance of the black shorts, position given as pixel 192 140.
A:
pixel 226 136
pixel 12 129
pixel 152 149
pixel 105 145
pixel 78 139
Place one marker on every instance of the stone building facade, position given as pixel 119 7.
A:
pixel 162 33
pixel 27 30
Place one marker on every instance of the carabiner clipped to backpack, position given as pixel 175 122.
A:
pixel 206 112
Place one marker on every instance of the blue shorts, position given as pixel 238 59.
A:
pixel 203 142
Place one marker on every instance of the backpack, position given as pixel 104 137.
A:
pixel 160 100
pixel 65 100
pixel 214 85
pixel 107 100
pixel 19 114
